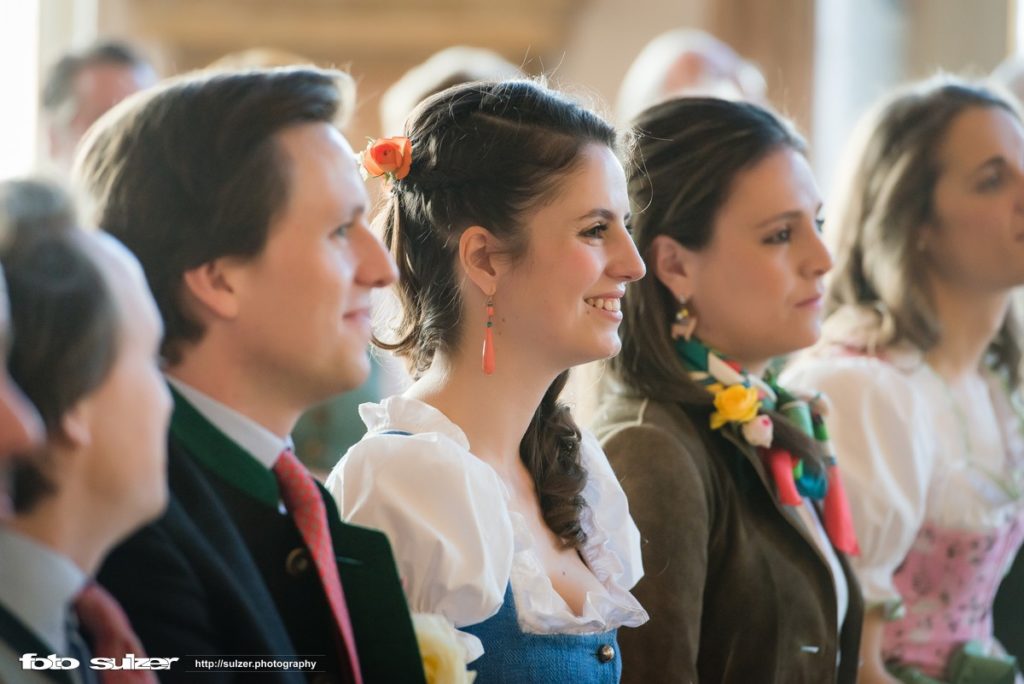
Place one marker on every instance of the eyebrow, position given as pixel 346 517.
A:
pixel 355 213
pixel 605 214
pixel 789 215
pixel 996 161
pixel 794 214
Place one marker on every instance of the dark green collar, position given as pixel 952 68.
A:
pixel 217 452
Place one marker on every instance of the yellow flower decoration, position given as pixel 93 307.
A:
pixel 444 658
pixel 735 404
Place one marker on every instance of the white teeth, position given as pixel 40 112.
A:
pixel 610 304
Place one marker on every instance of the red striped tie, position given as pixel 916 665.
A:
pixel 306 506
pixel 103 620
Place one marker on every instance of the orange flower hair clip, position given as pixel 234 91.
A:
pixel 389 157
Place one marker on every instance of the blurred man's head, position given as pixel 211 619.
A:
pixel 20 427
pixel 86 356
pixel 25 206
pixel 687 62
pixel 82 86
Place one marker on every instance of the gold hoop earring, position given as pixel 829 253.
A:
pixel 685 323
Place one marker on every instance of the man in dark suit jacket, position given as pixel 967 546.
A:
pixel 243 202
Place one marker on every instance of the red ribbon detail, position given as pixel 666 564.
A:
pixel 838 521
pixel 781 464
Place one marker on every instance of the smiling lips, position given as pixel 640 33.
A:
pixel 810 301
pixel 605 303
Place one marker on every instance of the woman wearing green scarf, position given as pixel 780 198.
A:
pixel 730 478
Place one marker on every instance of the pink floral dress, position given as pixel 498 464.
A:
pixel 935 480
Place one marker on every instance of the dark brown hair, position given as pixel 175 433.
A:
pixel 686 157
pixel 65 321
pixel 485 154
pixel 886 196
pixel 190 172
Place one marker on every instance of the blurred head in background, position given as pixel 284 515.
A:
pixel 82 86
pixel 687 62
pixel 444 69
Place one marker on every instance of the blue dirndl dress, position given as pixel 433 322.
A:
pixel 512 656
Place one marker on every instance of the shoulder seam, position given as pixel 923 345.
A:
pixel 635 422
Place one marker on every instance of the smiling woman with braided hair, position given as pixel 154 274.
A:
pixel 510 234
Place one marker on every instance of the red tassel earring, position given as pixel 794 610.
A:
pixel 488 355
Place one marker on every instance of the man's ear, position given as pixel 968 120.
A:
pixel 76 425
pixel 213 286
pixel 481 258
pixel 674 265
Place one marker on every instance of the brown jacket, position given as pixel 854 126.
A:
pixel 736 589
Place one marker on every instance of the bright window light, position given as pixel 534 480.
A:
pixel 19 76
pixel 1018 29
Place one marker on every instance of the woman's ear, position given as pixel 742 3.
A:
pixel 481 258
pixel 674 265
pixel 212 286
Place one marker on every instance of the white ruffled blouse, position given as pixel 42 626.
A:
pixel 909 451
pixel 457 543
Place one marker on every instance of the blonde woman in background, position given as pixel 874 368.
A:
pixel 920 360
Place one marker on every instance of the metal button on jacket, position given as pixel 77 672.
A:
pixel 297 562
pixel 606 653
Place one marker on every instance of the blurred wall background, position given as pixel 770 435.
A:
pixel 824 60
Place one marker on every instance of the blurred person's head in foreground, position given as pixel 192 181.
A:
pixel 85 354
pixel 22 203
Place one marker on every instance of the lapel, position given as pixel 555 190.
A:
pixel 216 453
pixel 23 640
pixel 219 454
pixel 199 517
pixel 789 513
pixel 352 547
pixel 373 591
pixel 849 634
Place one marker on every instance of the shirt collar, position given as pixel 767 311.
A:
pixel 39 586
pixel 410 415
pixel 258 441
